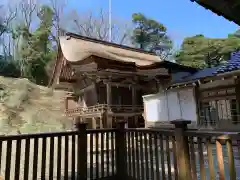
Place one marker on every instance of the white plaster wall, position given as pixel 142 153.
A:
pixel 173 105
pixel 155 108
pixel 170 105
pixel 188 104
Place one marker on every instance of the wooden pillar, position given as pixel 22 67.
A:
pixel 121 154
pixel 109 92
pixel 82 149
pixel 66 103
pixel 109 102
pixel 182 149
pixel 82 119
pixel 94 126
pixel 126 121
pixel 134 100
pixel 76 120
pixel 134 103
pixel 158 86
pixel 109 121
pixel 101 122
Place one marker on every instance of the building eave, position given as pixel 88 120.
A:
pixel 222 8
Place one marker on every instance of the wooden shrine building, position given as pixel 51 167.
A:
pixel 217 94
pixel 106 81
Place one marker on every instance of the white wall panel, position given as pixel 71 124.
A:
pixel 171 105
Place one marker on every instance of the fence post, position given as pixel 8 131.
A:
pixel 183 157
pixel 121 151
pixel 82 151
pixel 225 140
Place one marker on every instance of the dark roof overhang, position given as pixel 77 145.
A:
pixel 229 9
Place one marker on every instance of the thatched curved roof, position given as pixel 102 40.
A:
pixel 78 49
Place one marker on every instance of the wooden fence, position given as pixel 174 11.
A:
pixel 167 154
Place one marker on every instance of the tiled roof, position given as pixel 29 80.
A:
pixel 207 72
pixel 232 64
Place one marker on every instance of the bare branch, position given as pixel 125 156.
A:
pixel 28 8
pixel 97 26
pixel 57 7
pixel 6 19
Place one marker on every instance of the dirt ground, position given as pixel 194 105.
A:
pixel 28 108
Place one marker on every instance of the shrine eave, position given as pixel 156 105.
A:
pixel 226 9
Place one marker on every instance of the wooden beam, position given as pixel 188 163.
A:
pixel 86 67
pixel 81 91
pixel 216 98
pixel 127 85
pixel 115 72
pixel 143 73
pixel 127 114
pixel 217 88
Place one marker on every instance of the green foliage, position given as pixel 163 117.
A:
pixel 150 35
pixel 8 67
pixel 199 51
pixel 37 52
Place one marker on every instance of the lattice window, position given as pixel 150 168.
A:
pixel 219 106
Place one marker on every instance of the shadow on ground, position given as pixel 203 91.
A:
pixel 101 176
pixel 110 177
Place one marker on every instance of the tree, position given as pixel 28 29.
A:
pixel 5 19
pixel 57 7
pixel 151 35
pixel 38 51
pixel 96 25
pixel 199 51
pixel 7 65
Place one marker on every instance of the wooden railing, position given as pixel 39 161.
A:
pixel 182 154
pixel 84 110
pixel 151 154
pixel 170 154
pixel 67 155
pixel 100 108
pixel 214 155
pixel 126 108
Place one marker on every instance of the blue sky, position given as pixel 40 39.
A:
pixel 182 17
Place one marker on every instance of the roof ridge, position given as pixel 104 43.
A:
pixel 108 43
